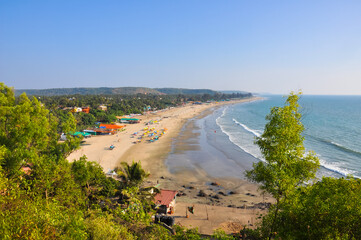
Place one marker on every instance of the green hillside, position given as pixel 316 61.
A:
pixel 185 91
pixel 109 91
pixel 86 91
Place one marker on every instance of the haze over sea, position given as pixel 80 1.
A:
pixel 332 131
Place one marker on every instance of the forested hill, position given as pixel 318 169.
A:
pixel 109 91
pixel 185 91
pixel 86 91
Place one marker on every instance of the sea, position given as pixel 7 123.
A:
pixel 222 143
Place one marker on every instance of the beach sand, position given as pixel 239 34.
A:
pixel 239 199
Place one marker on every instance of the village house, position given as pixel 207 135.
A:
pixel 165 201
pixel 85 109
pixel 103 108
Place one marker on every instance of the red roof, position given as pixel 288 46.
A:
pixel 111 126
pixel 165 197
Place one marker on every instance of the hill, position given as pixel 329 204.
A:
pixel 110 91
pixel 185 91
pixel 86 91
pixel 233 91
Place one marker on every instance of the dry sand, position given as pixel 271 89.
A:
pixel 226 200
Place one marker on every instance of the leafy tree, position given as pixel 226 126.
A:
pixel 329 209
pixel 91 178
pixel 286 165
pixel 138 199
pixel 26 131
pixel 132 175
pixel 68 126
pixel 101 226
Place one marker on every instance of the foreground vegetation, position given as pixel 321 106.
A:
pixel 305 208
pixel 43 196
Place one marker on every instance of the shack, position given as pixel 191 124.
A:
pixel 165 201
pixel 129 120
pixel 111 126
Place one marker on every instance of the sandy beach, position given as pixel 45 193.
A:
pixel 235 202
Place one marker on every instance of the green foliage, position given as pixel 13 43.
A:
pixel 101 226
pixel 286 165
pixel 107 91
pixel 92 180
pixel 25 130
pixel 25 218
pixel 43 196
pixel 84 120
pixel 329 209
pixel 53 180
pixel 219 234
pixel 132 175
pixel 183 233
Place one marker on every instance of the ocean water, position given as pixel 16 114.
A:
pixel 221 144
pixel 332 129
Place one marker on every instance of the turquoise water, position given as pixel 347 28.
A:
pixel 332 123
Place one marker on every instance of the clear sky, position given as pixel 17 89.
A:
pixel 258 46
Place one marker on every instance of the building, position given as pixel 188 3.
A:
pixel 76 109
pixel 129 120
pixel 85 109
pixel 103 108
pixel 165 201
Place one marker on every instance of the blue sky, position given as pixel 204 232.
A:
pixel 257 46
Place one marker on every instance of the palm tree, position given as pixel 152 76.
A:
pixel 132 175
pixel 131 192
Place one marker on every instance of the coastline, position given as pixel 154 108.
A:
pixel 195 186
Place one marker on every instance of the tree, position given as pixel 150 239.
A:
pixel 287 165
pixel 27 130
pixel 132 175
pixel 91 178
pixel 328 209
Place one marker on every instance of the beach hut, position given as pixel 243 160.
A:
pixel 84 134
pixel 111 126
pixel 91 132
pixel 129 120
pixel 165 201
pixel 104 131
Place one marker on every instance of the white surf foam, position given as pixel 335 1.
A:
pixel 233 139
pixel 254 132
pixel 335 167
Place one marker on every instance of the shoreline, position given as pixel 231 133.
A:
pixel 194 186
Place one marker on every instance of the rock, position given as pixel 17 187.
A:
pixel 222 193
pixel 231 193
pixel 201 193
pixel 216 196
pixel 215 184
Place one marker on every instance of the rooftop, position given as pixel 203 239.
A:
pixel 165 197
